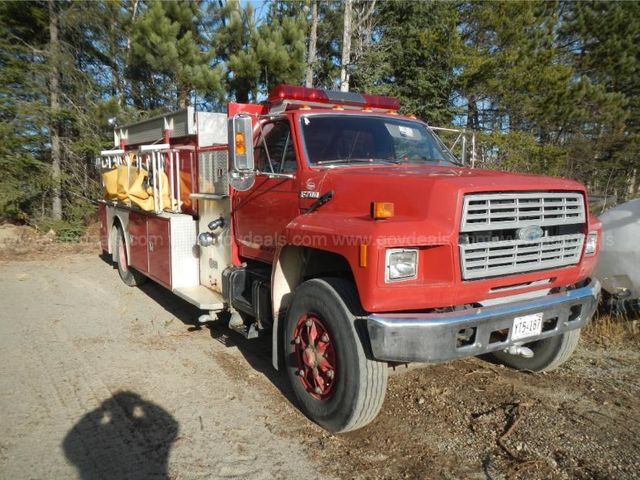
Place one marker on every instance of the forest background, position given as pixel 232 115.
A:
pixel 548 87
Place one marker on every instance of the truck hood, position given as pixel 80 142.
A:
pixel 418 192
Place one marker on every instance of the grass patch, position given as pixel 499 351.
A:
pixel 611 329
pixel 65 231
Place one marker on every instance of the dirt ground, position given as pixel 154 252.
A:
pixel 98 380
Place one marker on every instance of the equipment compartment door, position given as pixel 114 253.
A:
pixel 159 247
pixel 138 242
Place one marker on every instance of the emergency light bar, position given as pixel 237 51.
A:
pixel 283 94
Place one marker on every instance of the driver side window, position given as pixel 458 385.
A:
pixel 274 151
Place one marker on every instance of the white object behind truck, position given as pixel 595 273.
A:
pixel 618 267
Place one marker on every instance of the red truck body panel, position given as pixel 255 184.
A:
pixel 428 204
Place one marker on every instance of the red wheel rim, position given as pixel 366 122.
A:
pixel 316 363
pixel 122 255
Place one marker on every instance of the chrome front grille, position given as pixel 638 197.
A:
pixel 490 259
pixel 489 242
pixel 493 211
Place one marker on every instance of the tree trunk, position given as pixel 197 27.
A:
pixel 472 114
pixel 54 104
pixel 346 47
pixel 183 97
pixel 313 38
pixel 134 84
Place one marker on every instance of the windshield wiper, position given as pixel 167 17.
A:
pixel 356 160
pixel 320 201
pixel 418 159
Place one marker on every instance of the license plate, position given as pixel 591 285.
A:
pixel 526 326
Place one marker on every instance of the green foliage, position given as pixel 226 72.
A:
pixel 167 54
pixel 415 58
pixel 279 49
pixel 521 152
pixel 66 231
pixel 327 66
pixel 258 57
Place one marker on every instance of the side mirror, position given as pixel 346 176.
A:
pixel 241 144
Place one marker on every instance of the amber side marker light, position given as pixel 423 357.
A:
pixel 381 210
pixel 363 255
pixel 240 147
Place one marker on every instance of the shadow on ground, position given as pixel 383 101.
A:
pixel 125 437
pixel 257 351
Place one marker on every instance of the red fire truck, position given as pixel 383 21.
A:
pixel 352 236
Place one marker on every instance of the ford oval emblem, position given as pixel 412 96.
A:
pixel 530 233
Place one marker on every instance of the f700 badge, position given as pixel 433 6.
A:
pixel 309 194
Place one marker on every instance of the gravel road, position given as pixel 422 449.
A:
pixel 99 380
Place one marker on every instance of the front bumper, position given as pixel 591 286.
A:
pixel 434 337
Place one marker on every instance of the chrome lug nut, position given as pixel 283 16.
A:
pixel 318 390
pixel 309 322
pixel 324 338
pixel 330 373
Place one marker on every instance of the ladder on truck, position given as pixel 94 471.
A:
pixel 156 160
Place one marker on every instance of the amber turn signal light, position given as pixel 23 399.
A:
pixel 381 210
pixel 240 147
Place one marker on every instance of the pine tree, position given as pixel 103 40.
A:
pixel 167 54
pixel 234 30
pixel 258 57
pixel 414 58
pixel 51 111
pixel 328 46
pixel 23 110
pixel 280 45
pixel 601 40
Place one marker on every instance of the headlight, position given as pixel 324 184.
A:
pixel 401 264
pixel 592 243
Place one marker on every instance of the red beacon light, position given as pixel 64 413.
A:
pixel 284 95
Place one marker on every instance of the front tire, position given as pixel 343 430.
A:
pixel 129 275
pixel 334 381
pixel 548 353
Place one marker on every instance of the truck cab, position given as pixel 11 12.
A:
pixel 353 237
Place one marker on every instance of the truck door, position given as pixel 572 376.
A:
pixel 261 213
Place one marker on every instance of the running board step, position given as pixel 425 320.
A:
pixel 238 325
pixel 201 297
pixel 247 331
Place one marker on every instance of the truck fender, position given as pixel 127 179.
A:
pixel 286 276
pixel 292 265
pixel 116 219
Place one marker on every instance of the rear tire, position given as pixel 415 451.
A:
pixel 334 381
pixel 128 274
pixel 549 353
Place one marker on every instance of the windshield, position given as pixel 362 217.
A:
pixel 345 139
